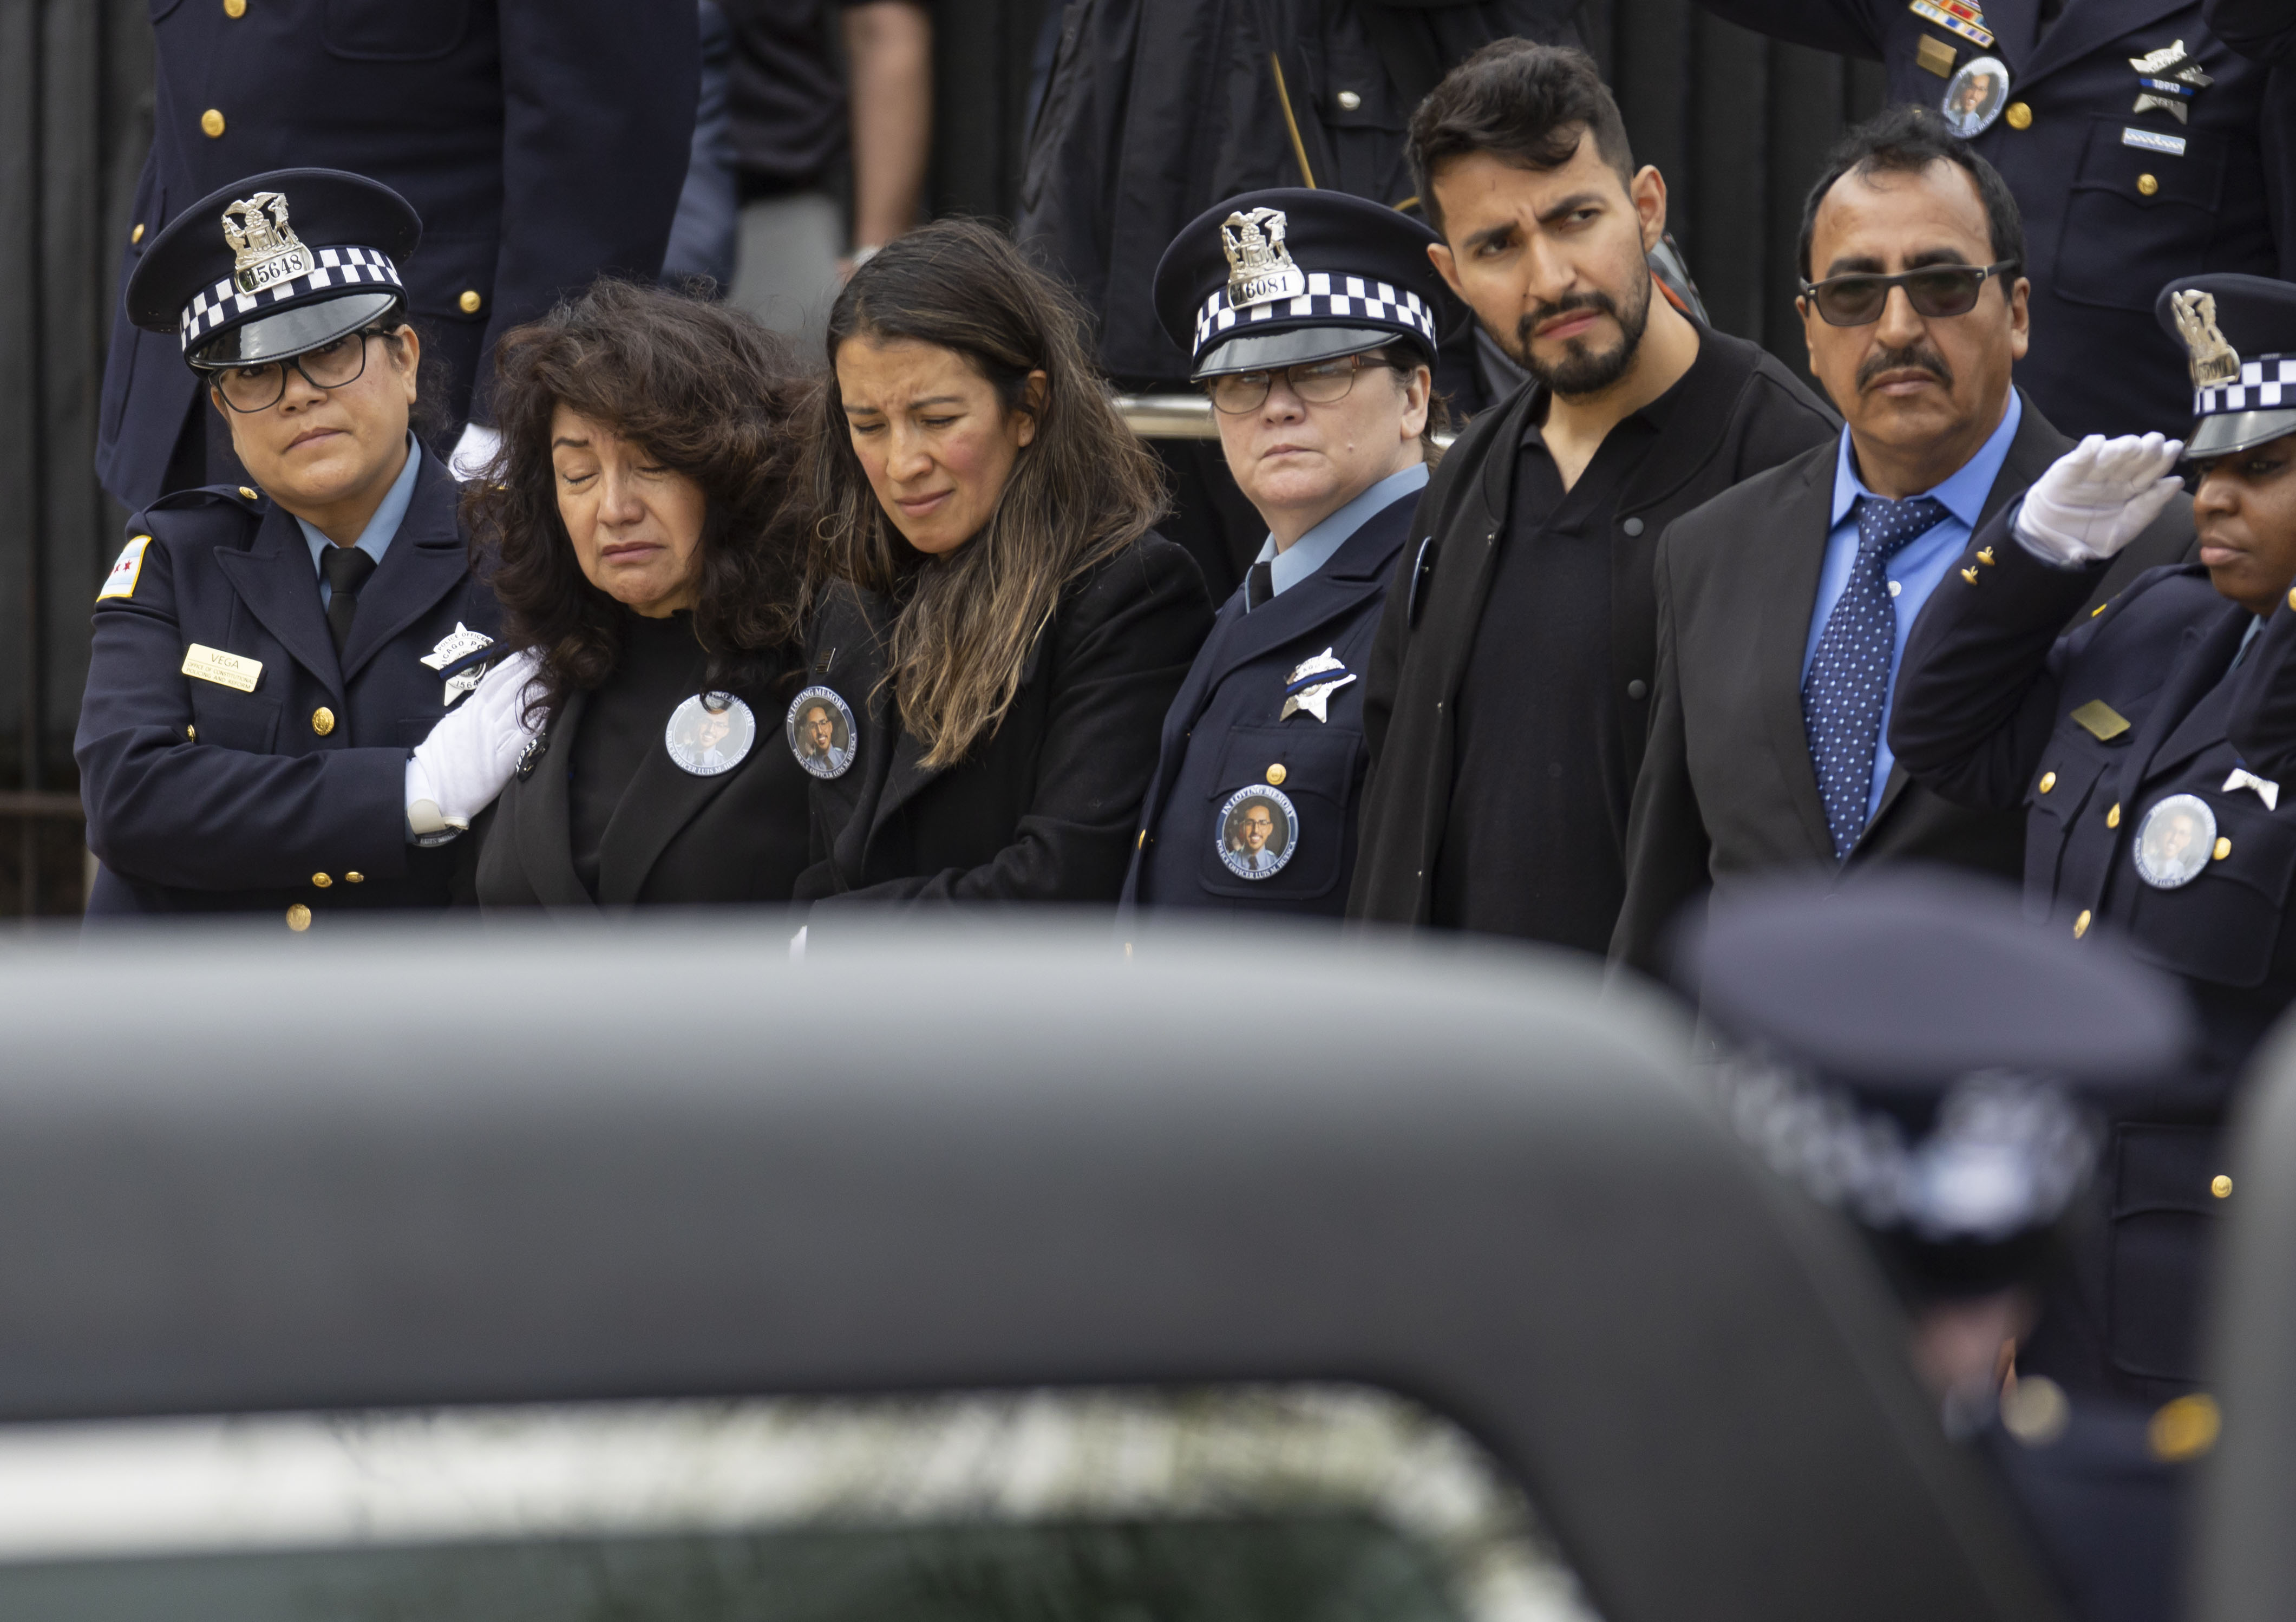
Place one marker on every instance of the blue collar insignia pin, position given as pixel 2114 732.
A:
pixel 1311 685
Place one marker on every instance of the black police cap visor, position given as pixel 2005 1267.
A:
pixel 325 209
pixel 1325 232
pixel 2257 317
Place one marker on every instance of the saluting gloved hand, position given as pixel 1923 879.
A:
pixel 2099 496
pixel 455 773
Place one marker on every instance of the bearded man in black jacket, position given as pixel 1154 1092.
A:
pixel 1508 695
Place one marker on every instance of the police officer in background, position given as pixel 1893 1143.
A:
pixel 543 142
pixel 2147 814
pixel 1312 318
pixel 2138 146
pixel 265 659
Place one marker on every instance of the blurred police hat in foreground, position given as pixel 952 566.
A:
pixel 1285 276
pixel 276 265
pixel 1909 1050
pixel 2239 334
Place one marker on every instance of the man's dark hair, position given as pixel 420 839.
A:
pixel 1906 141
pixel 1525 104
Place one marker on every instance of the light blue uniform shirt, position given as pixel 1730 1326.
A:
pixel 1309 553
pixel 375 540
pixel 1914 572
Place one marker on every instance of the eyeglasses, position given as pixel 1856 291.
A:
pixel 331 365
pixel 1319 382
pixel 1858 298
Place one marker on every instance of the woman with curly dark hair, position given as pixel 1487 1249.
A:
pixel 633 520
pixel 998 630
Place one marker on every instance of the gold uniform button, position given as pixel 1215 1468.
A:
pixel 2185 1428
pixel 135 235
pixel 354 878
pixel 2292 600
pixel 246 495
pixel 2048 782
pixel 211 121
pixel 322 720
pixel 2019 116
pixel 2220 1186
pixel 234 9
pixel 2112 817
pixel 2224 848
pixel 321 881
pixel 2080 924
pixel 1276 774
pixel 190 734
pixel 470 301
pixel 299 918
pixel 1350 101
pixel 2146 185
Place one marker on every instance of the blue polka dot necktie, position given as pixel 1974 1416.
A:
pixel 1849 679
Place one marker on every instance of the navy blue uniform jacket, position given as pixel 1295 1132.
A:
pixel 2098 246
pixel 202 797
pixel 541 140
pixel 1224 731
pixel 1986 716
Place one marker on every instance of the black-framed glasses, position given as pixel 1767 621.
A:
pixel 259 387
pixel 1319 382
pixel 1858 298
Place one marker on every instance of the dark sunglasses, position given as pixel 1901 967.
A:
pixel 1857 300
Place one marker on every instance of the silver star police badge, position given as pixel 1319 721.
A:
pixel 452 659
pixel 1311 685
pixel 2167 80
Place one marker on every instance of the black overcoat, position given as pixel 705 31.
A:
pixel 1042 810
pixel 1727 793
pixel 675 840
pixel 1740 411
pixel 202 797
pixel 2100 242
pixel 1226 728
pixel 543 142
pixel 1993 711
pixel 1158 109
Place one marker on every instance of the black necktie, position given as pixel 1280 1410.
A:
pixel 347 569
pixel 1258 586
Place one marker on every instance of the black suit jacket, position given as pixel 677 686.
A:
pixel 676 840
pixel 1727 791
pixel 1045 808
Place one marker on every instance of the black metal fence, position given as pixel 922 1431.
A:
pixel 1735 123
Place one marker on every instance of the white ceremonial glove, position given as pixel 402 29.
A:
pixel 455 773
pixel 472 451
pixel 2098 497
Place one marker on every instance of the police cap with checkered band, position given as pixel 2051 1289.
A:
pixel 2239 336
pixel 1281 277
pixel 276 265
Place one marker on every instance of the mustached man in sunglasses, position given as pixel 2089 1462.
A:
pixel 1784 603
pixel 269 659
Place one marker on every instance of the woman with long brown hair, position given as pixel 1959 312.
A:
pixel 639 548
pixel 997 630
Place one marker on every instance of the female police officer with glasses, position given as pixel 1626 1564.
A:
pixel 1322 398
pixel 2146 765
pixel 266 658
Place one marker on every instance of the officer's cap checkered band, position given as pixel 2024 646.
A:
pixel 337 267
pixel 2266 383
pixel 1331 300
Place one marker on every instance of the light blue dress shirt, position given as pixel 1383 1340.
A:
pixel 375 540
pixel 1914 572
pixel 1309 553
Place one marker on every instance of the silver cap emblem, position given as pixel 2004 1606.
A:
pixel 269 252
pixel 2214 360
pixel 1259 267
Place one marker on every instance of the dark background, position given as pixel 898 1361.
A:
pixel 1735 124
